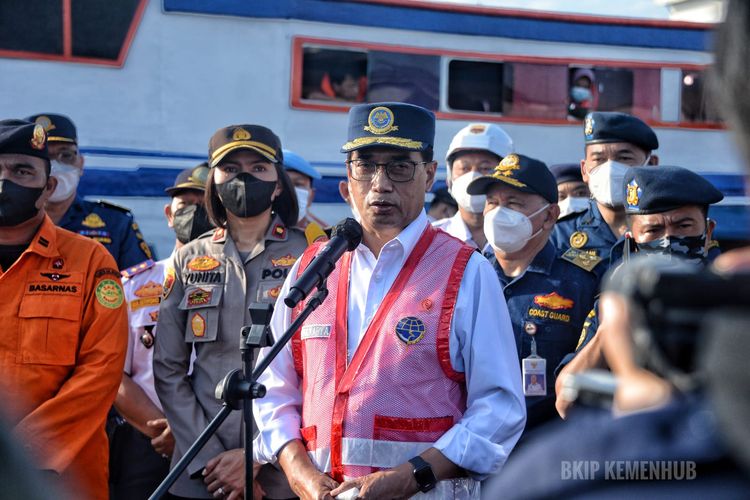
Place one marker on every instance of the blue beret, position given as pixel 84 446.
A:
pixel 522 173
pixel 651 190
pixel 600 127
pixel 293 161
pixel 59 128
pixel 395 124
pixel 23 138
pixel 566 172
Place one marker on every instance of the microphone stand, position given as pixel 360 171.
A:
pixel 241 386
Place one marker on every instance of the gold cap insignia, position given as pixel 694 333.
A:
pixel 588 125
pixel 578 239
pixel 38 138
pixel 477 129
pixel 380 121
pixel 633 194
pixel 508 165
pixel 240 134
pixel 45 122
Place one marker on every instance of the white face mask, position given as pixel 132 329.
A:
pixel 605 183
pixel 507 230
pixel 471 202
pixel 572 205
pixel 67 181
pixel 303 196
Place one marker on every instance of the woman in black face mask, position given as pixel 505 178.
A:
pixel 251 200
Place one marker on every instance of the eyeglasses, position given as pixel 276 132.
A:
pixel 396 170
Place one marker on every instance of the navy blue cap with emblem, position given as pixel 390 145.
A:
pixel 59 128
pixel 602 127
pixel 652 190
pixel 519 172
pixel 23 138
pixel 566 172
pixel 394 124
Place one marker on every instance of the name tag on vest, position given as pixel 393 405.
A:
pixel 316 332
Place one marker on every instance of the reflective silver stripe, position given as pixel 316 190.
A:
pixel 382 454
pixel 455 489
pixel 321 457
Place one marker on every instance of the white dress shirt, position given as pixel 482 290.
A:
pixel 455 226
pixel 481 345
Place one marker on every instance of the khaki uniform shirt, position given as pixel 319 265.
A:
pixel 205 305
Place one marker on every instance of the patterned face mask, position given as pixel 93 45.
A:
pixel 691 248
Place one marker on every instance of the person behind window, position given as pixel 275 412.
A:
pixel 582 93
pixel 342 82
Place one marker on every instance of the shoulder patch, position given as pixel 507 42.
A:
pixel 107 204
pixel 169 279
pixel 581 258
pixel 138 268
pixel 109 293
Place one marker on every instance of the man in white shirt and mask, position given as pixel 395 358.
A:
pixel 403 380
pixel 303 175
pixel 614 142
pixel 474 151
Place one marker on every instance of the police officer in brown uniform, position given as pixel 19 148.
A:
pixel 206 297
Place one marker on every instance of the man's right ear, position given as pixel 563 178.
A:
pixel 168 214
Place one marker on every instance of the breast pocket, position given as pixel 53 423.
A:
pixel 202 303
pixel 49 327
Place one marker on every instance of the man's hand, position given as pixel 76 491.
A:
pixel 163 443
pixel 305 480
pixel 224 475
pixel 392 483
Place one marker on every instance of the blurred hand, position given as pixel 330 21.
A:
pixel 163 443
pixel 225 473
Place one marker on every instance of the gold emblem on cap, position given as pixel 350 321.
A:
pixel 578 239
pixel 508 165
pixel 45 122
pixel 632 196
pixel 477 129
pixel 240 134
pixel 588 125
pixel 380 121
pixel 38 138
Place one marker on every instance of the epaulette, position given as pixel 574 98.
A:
pixel 138 268
pixel 108 204
pixel 713 244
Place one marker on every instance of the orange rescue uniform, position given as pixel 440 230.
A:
pixel 62 350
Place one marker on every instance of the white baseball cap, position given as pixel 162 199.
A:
pixel 479 136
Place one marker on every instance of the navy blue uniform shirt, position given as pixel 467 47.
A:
pixel 554 296
pixel 110 225
pixel 585 236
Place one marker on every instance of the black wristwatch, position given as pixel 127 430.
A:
pixel 426 479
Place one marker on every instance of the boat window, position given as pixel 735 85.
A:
pixel 334 75
pixel 411 78
pixel 697 103
pixel 476 86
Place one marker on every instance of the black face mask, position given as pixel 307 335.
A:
pixel 246 195
pixel 190 222
pixel 17 203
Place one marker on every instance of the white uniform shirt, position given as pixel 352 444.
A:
pixel 481 345
pixel 455 226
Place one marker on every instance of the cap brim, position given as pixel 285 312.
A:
pixel 56 138
pixel 259 148
pixel 481 185
pixel 393 142
pixel 184 187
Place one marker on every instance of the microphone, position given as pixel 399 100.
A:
pixel 345 237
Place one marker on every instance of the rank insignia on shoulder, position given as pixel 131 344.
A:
pixel 93 220
pixel 138 268
pixel 169 280
pixel 410 330
pixel 581 258
pixel 578 239
pixel 279 231
pixel 219 234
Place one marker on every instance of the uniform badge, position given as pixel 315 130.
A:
pixel 633 195
pixel 58 264
pixel 410 329
pixel 315 332
pixel 218 234
pixel 554 301
pixel 203 263
pixel 38 138
pixel 581 258
pixel 93 220
pixel 588 126
pixel 55 276
pixel 199 297
pixel 381 121
pixel 109 293
pixel 508 165
pixel 287 260
pixel 279 231
pixel 240 134
pixel 148 295
pixel 529 328
pixel 198 325
pixel 146 250
pixel 477 129
pixel 147 339
pixel 169 280
pixel 426 304
pixel 578 239
pixel 154 316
